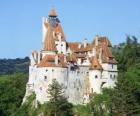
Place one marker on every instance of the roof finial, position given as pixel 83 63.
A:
pixel 53 12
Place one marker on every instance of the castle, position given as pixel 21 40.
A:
pixel 82 68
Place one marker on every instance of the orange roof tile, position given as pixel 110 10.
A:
pixel 59 29
pixel 87 48
pixel 53 13
pixel 95 65
pixel 49 43
pixel 49 61
pixel 73 45
pixel 102 41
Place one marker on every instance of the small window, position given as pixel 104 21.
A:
pixel 61 44
pixel 96 76
pixel 112 66
pixel 91 90
pixel 52 70
pixel 45 77
pixel 87 73
pixel 114 76
pixel 46 70
pixel 111 76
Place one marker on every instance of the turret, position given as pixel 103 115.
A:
pixel 95 75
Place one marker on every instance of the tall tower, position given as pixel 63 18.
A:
pixel 52 24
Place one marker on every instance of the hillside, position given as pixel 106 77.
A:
pixel 10 66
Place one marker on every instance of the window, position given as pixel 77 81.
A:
pixel 46 70
pixel 91 90
pixel 40 88
pixel 114 76
pixel 61 44
pixel 45 78
pixel 96 76
pixel 112 66
pixel 87 73
pixel 111 76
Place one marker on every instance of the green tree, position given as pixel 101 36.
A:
pixel 12 90
pixel 124 98
pixel 59 106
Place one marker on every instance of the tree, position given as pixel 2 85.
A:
pixel 124 98
pixel 58 104
pixel 12 90
pixel 101 104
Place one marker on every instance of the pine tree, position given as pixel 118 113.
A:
pixel 58 104
pixel 124 98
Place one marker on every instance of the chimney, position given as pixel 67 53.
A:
pixel 79 46
pixel 100 55
pixel 94 51
pixel 56 59
pixel 65 59
pixel 96 40
pixel 39 57
pixel 85 43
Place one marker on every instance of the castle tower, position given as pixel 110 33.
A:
pixel 57 31
pixel 95 75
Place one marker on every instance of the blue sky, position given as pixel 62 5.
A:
pixel 21 31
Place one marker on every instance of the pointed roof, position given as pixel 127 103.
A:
pixel 95 65
pixel 59 29
pixel 49 43
pixel 53 13
pixel 102 40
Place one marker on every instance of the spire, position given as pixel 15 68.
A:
pixel 49 43
pixel 53 13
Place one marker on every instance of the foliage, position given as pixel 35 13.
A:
pixel 82 110
pixel 59 106
pixel 12 90
pixel 10 66
pixel 124 99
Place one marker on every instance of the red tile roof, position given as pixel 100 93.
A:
pixel 53 13
pixel 49 43
pixel 49 61
pixel 95 65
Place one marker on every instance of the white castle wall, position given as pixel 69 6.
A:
pixel 95 81
pixel 76 85
pixel 45 76
pixel 61 46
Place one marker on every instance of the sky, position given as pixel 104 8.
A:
pixel 21 22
